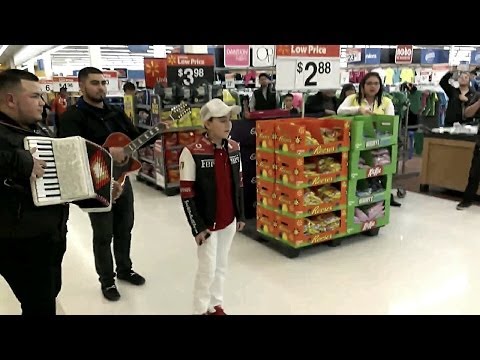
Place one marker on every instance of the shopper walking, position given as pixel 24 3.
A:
pixel 212 196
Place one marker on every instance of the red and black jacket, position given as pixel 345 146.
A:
pixel 198 186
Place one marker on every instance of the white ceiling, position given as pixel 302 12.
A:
pixel 112 55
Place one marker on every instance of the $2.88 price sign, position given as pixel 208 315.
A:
pixel 308 67
pixel 317 74
pixel 311 71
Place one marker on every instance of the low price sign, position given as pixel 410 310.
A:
pixel 190 69
pixel 308 67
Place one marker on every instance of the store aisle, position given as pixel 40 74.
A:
pixel 424 262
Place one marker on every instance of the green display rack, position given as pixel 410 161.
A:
pixel 367 134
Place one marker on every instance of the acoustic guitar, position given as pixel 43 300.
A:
pixel 117 139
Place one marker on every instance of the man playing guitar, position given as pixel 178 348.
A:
pixel 93 119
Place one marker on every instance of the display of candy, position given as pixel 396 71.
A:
pixel 312 228
pixel 328 194
pixel 330 135
pixel 369 213
pixel 329 221
pixel 309 140
pixel 311 199
pixel 328 165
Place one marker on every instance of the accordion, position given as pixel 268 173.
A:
pixel 77 171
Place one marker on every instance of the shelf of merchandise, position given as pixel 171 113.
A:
pixel 160 160
pixel 291 193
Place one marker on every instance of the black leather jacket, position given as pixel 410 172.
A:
pixel 197 183
pixel 19 217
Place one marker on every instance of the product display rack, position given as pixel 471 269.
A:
pixel 160 160
pixel 287 211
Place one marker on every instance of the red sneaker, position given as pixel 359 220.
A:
pixel 218 311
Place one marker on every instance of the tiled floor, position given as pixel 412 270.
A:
pixel 424 262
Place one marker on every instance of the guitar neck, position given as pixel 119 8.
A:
pixel 144 138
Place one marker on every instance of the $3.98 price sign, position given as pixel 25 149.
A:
pixel 188 75
pixel 308 67
pixel 190 69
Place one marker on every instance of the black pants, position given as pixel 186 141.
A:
pixel 473 177
pixel 28 265
pixel 118 224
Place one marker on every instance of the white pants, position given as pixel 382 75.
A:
pixel 212 267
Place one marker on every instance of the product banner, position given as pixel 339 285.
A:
pixel 434 56
pixel 237 55
pixel 372 56
pixel 155 72
pixel 263 55
pixel 475 57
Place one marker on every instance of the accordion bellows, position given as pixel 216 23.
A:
pixel 78 171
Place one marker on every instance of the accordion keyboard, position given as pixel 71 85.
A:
pixel 48 187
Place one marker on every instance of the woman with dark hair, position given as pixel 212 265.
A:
pixel 369 100
pixel 347 90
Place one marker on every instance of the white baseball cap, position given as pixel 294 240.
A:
pixel 217 108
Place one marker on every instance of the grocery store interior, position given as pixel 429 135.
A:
pixel 346 212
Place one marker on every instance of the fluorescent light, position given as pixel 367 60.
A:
pixel 3 48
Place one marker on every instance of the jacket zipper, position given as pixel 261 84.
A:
pixel 19 211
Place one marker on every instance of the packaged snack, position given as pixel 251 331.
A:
pixel 329 135
pixel 309 140
pixel 328 193
pixel 328 165
pixel 361 215
pixel 311 199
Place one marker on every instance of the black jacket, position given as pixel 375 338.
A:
pixel 19 217
pixel 197 183
pixel 455 108
pixel 270 103
pixel 80 120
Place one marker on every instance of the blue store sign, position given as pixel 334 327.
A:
pixel 475 58
pixel 372 56
pixel 434 56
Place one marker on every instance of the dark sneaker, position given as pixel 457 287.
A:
pixel 464 205
pixel 111 293
pixel 132 278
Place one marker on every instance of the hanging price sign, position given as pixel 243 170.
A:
pixel 47 85
pixel 308 67
pixel 111 78
pixel 68 82
pixel 404 54
pixel 190 69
